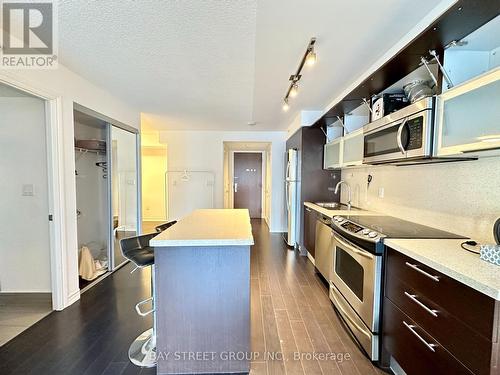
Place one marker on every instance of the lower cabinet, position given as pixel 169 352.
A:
pixel 310 230
pixel 433 324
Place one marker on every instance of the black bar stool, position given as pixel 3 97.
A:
pixel 142 351
pixel 162 227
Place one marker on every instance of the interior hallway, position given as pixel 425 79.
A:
pixel 290 312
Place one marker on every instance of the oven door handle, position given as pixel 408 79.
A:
pixel 350 247
pixel 400 136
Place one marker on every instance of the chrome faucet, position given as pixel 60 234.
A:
pixel 349 203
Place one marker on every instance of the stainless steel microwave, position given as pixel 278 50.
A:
pixel 404 135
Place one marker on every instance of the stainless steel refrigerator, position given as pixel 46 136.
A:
pixel 292 188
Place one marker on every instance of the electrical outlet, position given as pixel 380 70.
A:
pixel 381 192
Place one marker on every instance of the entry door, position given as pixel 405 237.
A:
pixel 248 182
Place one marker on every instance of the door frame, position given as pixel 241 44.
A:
pixel 263 180
pixel 56 192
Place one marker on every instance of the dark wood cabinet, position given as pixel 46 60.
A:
pixel 310 217
pixel 435 324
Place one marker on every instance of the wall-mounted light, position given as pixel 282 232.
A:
pixel 309 59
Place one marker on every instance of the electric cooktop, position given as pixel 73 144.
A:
pixel 392 227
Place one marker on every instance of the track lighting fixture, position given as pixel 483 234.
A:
pixel 286 107
pixel 309 59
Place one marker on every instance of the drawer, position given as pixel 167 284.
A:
pixel 473 308
pixel 453 334
pixel 408 344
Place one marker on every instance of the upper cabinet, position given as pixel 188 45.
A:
pixel 333 153
pixel 468 110
pixel 468 116
pixel 353 149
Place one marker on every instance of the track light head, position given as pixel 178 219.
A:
pixel 294 90
pixel 311 57
pixel 286 106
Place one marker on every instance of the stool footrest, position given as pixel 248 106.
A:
pixel 138 307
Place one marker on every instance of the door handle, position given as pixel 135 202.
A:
pixel 413 297
pixel 400 134
pixel 352 249
pixel 412 330
pixel 235 187
pixel 415 267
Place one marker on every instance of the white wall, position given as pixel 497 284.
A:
pixel 24 228
pixel 203 150
pixel 70 87
pixel 91 194
pixel 462 197
pixel 154 166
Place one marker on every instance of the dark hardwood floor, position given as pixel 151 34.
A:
pixel 290 313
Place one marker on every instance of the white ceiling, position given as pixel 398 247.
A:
pixel 217 65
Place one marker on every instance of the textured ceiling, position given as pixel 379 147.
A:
pixel 219 64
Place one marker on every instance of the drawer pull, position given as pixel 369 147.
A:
pixel 412 330
pixel 415 267
pixel 413 297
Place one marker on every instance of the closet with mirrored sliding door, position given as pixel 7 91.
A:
pixel 107 191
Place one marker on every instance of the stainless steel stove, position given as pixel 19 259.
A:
pixel 356 270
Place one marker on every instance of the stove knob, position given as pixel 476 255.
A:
pixel 335 218
pixel 340 219
pixel 366 231
pixel 372 234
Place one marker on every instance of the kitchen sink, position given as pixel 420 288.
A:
pixel 334 206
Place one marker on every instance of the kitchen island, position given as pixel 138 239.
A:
pixel 203 293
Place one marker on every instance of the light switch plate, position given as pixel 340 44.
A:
pixel 28 190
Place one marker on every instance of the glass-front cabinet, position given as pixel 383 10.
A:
pixel 468 117
pixel 333 152
pixel 353 149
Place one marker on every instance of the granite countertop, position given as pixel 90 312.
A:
pixel 447 257
pixel 208 227
pixel 332 213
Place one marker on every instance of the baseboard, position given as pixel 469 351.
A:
pixel 310 257
pixel 73 297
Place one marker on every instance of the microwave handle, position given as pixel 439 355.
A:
pixel 400 134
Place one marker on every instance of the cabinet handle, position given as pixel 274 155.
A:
pixel 308 209
pixel 413 297
pixel 415 267
pixel 412 330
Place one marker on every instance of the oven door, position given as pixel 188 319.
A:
pixel 408 138
pixel 356 273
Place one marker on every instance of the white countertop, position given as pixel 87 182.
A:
pixel 208 227
pixel 447 257
pixel 332 213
